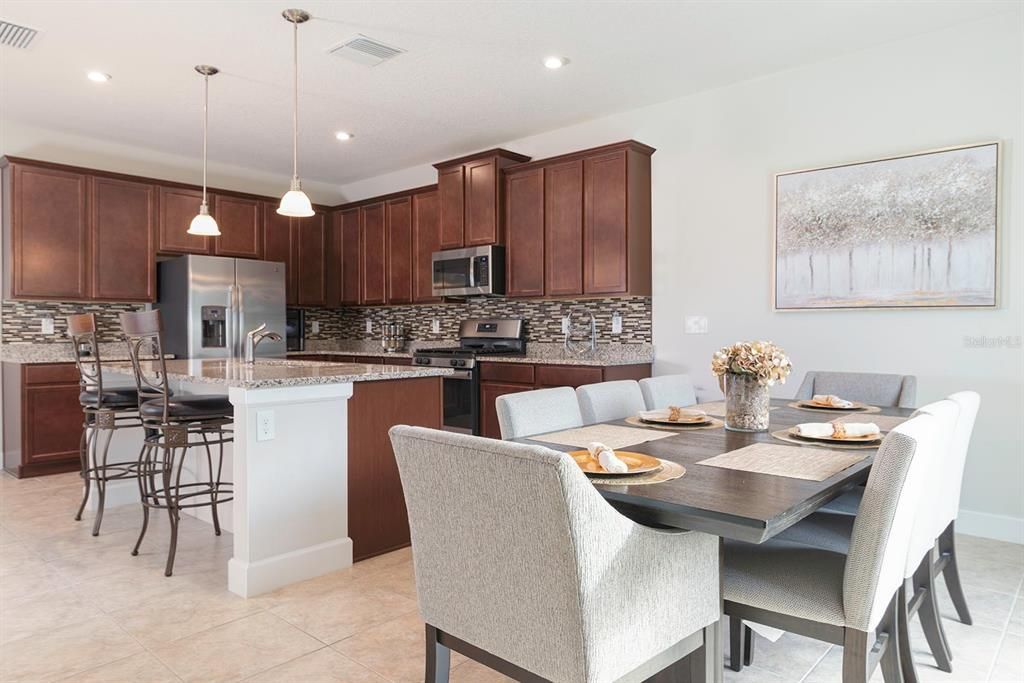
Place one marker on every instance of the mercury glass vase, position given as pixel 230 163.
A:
pixel 746 404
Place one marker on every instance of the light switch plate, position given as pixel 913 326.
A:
pixel 696 324
pixel 265 425
pixel 435 326
pixel 47 325
pixel 369 326
pixel 565 324
pixel 616 323
pixel 316 327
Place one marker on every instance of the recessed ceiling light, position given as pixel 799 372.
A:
pixel 555 62
pixel 342 135
pixel 98 76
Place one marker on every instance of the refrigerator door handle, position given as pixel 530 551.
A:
pixel 240 318
pixel 231 323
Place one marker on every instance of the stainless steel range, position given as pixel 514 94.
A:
pixel 477 338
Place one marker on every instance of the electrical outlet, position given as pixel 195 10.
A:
pixel 435 326
pixel 316 327
pixel 696 324
pixel 616 323
pixel 265 425
pixel 565 324
pixel 47 325
pixel 369 326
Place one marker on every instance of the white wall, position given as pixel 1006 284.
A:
pixel 712 203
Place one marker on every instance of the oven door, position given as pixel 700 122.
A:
pixel 461 397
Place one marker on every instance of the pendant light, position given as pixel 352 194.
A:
pixel 295 202
pixel 204 224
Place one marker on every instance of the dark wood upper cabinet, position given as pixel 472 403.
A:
pixel 372 250
pixel 277 246
pixel 451 194
pixel 241 228
pixel 350 257
pixel 123 216
pixel 482 192
pixel 524 226
pixel 333 264
pixel 46 233
pixel 426 239
pixel 310 236
pixel 178 206
pixel 563 232
pixel 399 250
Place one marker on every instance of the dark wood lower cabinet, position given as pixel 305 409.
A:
pixel 42 418
pixel 498 379
pixel 377 519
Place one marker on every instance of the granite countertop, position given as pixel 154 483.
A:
pixel 273 372
pixel 541 353
pixel 33 354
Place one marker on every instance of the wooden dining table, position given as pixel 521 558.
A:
pixel 728 503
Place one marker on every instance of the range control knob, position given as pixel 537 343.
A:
pixel 454 362
pixel 462 363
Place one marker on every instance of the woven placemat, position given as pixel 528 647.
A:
pixel 784 435
pixel 886 423
pixel 832 411
pixel 812 464
pixel 667 472
pixel 712 424
pixel 612 436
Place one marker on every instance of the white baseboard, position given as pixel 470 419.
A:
pixel 253 578
pixel 987 525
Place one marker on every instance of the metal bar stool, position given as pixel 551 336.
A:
pixel 174 424
pixel 104 412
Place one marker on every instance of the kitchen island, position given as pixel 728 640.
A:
pixel 310 439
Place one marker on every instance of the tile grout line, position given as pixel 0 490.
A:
pixel 1002 635
pixel 815 665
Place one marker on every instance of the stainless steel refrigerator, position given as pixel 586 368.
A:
pixel 209 303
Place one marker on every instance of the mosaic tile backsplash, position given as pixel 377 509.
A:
pixel 543 319
pixel 21 320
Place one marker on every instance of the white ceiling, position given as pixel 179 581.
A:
pixel 472 76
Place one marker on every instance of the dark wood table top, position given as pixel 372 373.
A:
pixel 744 506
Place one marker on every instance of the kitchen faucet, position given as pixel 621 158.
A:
pixel 253 339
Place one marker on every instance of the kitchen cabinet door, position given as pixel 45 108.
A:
pixel 333 266
pixel 310 236
pixel 399 250
pixel 123 229
pixel 277 246
pixel 524 227
pixel 563 228
pixel 451 196
pixel 481 205
pixel 239 220
pixel 372 245
pixel 350 257
pixel 47 255
pixel 489 391
pixel 604 224
pixel 426 239
pixel 178 206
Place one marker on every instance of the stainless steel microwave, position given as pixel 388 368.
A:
pixel 475 271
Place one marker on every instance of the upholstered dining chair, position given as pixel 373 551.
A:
pixel 834 532
pixel 667 390
pixel 526 413
pixel 521 564
pixel 895 391
pixel 610 400
pixel 849 600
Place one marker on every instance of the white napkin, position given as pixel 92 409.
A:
pixel 606 456
pixel 663 414
pixel 860 429
pixel 815 429
pixel 831 400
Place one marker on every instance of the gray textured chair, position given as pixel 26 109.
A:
pixel 522 565
pixel 849 600
pixel 667 390
pixel 834 532
pixel 526 413
pixel 895 391
pixel 606 401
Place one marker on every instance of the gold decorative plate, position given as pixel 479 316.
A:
pixel 690 422
pixel 793 431
pixel 857 405
pixel 636 462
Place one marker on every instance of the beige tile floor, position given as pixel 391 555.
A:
pixel 74 607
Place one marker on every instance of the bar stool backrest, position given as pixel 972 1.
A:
pixel 82 330
pixel 143 333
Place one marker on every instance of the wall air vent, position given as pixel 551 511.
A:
pixel 15 35
pixel 365 50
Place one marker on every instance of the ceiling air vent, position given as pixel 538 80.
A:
pixel 365 50
pixel 15 35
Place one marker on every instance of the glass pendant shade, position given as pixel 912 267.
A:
pixel 204 224
pixel 295 203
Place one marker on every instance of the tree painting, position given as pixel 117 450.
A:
pixel 913 231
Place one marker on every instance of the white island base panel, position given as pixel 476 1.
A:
pixel 290 511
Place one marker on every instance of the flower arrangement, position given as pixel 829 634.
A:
pixel 760 360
